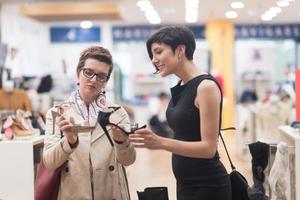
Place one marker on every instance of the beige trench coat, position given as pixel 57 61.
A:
pixel 103 172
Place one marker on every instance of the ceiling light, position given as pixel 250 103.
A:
pixel 149 11
pixel 265 17
pixel 191 11
pixel 231 14
pixel 283 3
pixel 191 17
pixel 86 24
pixel 191 2
pixel 276 10
pixel 271 14
pixel 237 4
pixel 143 3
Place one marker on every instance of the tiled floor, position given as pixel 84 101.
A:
pixel 153 168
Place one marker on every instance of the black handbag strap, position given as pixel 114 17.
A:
pixel 226 129
pixel 220 123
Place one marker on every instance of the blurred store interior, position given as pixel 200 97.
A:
pixel 252 46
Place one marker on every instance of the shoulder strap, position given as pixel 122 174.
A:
pixel 226 129
pixel 220 122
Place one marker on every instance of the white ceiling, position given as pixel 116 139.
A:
pixel 212 9
pixel 173 11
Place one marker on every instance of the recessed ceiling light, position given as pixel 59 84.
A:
pixel 265 17
pixel 231 14
pixel 86 24
pixel 282 3
pixel 149 11
pixel 271 14
pixel 276 10
pixel 237 4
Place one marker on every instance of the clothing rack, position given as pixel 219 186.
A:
pixel 291 149
pixel 274 145
pixel 291 155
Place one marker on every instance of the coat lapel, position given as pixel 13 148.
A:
pixel 97 133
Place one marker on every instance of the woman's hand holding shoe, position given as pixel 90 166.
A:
pixel 65 126
pixel 145 138
pixel 118 135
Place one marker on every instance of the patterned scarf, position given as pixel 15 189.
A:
pixel 91 111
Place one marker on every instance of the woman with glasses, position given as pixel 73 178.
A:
pixel 93 161
pixel 193 113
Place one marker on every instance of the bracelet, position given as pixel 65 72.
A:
pixel 75 144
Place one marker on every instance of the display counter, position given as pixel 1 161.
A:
pixel 17 171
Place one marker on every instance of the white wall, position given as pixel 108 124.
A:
pixel 36 55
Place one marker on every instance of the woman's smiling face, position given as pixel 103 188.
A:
pixel 164 59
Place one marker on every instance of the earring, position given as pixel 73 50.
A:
pixel 77 83
pixel 101 99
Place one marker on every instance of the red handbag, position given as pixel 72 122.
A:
pixel 47 182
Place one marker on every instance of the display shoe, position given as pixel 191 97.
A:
pixel 127 132
pixel 77 127
pixel 103 120
pixel 24 118
pixel 19 129
pixel 8 133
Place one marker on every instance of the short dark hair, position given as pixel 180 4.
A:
pixel 174 36
pixel 96 52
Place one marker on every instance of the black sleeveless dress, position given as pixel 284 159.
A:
pixel 197 178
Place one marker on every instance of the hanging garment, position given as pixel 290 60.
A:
pixel 260 157
pixel 278 178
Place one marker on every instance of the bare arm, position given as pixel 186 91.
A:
pixel 208 101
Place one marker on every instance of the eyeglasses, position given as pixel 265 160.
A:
pixel 88 73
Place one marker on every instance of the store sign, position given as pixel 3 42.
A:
pixel 121 33
pixel 142 33
pixel 265 31
pixel 75 34
pixel 278 31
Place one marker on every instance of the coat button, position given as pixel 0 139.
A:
pixel 111 168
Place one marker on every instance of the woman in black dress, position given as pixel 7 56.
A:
pixel 194 114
